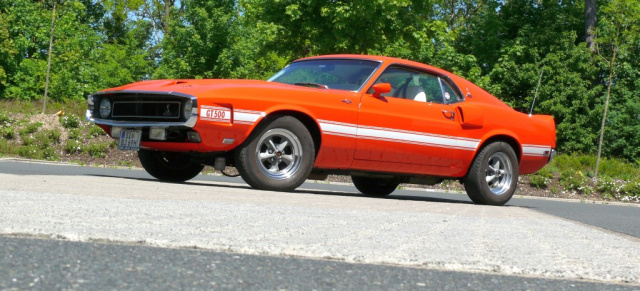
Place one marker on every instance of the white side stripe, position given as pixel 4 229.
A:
pixel 246 116
pixel 418 138
pixel 330 127
pixel 338 128
pixel 536 150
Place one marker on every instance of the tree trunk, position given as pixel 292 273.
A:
pixel 167 16
pixel 590 23
pixel 50 52
pixel 606 109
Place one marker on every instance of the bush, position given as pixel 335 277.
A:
pixel 27 139
pixel 29 152
pixel 95 131
pixel 98 150
pixel 30 128
pixel 70 121
pixel 75 134
pixel 541 179
pixel 8 132
pixel 5 119
pixel 47 137
pixel 632 188
pixel 6 148
pixel 608 187
pixel 573 180
pixel 49 154
pixel 74 147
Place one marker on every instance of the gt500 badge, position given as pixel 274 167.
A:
pixel 218 114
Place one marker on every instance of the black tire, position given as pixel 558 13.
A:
pixel 169 166
pixel 283 168
pixel 498 162
pixel 375 187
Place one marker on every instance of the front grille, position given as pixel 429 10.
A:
pixel 144 106
pixel 146 109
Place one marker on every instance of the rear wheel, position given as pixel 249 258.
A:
pixel 278 157
pixel 493 176
pixel 169 166
pixel 376 187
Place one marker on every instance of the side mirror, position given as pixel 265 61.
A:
pixel 381 88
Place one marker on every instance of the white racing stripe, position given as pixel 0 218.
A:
pixel 246 116
pixel 536 150
pixel 330 127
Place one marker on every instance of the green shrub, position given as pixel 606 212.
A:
pixel 632 188
pixel 609 187
pixel 541 179
pixel 619 169
pixel 48 137
pixel 75 133
pixel 95 131
pixel 73 147
pixel 8 132
pixel 70 121
pixel 4 117
pixel 30 128
pixel 6 148
pixel 98 150
pixel 50 154
pixel 30 152
pixel 27 139
pixel 572 180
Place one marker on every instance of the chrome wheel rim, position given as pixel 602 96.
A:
pixel 279 154
pixel 499 173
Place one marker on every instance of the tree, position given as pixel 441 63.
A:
pixel 590 23
pixel 620 28
pixel 49 54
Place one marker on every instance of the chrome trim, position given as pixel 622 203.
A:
pixel 552 155
pixel 191 121
pixel 171 93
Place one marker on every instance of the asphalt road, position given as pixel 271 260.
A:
pixel 37 264
pixel 323 236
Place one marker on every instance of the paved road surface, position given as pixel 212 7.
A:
pixel 431 234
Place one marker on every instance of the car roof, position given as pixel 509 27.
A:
pixel 387 60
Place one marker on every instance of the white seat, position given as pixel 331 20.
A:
pixel 416 93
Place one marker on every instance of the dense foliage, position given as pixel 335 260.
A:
pixel 504 46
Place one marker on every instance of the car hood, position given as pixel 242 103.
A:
pixel 209 87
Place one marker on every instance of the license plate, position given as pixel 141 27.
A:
pixel 129 140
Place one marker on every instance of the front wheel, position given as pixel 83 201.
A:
pixel 169 166
pixel 377 187
pixel 493 176
pixel 278 156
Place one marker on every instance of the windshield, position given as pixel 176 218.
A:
pixel 347 75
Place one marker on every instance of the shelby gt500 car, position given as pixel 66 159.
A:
pixel 381 120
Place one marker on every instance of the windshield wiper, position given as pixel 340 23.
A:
pixel 313 85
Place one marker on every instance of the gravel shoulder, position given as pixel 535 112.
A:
pixel 231 217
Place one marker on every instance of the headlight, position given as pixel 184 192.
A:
pixel 186 110
pixel 90 103
pixel 105 108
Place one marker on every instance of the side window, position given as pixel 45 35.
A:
pixel 412 85
pixel 450 96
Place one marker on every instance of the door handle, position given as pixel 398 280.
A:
pixel 449 114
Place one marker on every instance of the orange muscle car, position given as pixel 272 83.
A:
pixel 381 120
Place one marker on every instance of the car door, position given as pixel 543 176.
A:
pixel 414 124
